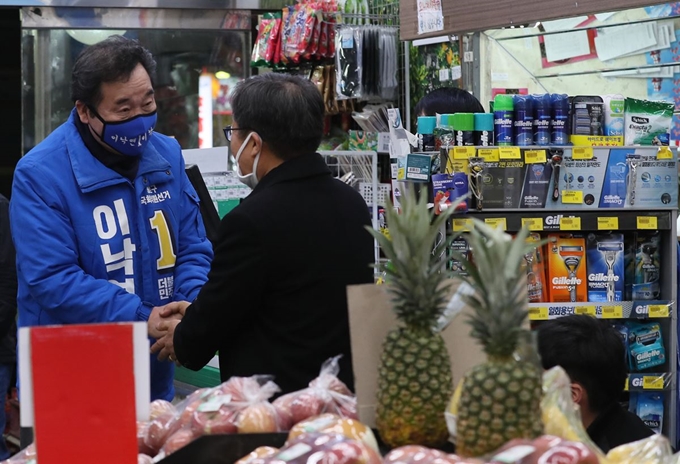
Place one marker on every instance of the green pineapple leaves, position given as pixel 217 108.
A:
pixel 415 274
pixel 500 301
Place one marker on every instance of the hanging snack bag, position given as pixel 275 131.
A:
pixel 647 122
pixel 348 62
pixel 264 49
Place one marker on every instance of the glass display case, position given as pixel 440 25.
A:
pixel 190 46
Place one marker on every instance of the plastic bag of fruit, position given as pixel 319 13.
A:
pixel 561 416
pixel 325 394
pixel 315 448
pixel 655 449
pixel 259 455
pixel 544 450
pixel 334 424
pixel 253 413
pixel 414 454
pixel 26 456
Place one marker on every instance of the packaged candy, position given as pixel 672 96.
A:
pixel 646 346
pixel 326 394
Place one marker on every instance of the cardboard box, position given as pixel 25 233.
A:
pixel 371 318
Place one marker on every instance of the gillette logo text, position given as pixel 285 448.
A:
pixel 566 281
pixel 553 220
pixel 647 355
pixel 602 277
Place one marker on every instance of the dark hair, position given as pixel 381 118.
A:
pixel 591 351
pixel 111 60
pixel 286 111
pixel 448 100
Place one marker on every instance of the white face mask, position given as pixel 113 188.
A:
pixel 251 179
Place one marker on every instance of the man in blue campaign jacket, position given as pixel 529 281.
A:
pixel 105 221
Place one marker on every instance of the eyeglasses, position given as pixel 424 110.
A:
pixel 228 130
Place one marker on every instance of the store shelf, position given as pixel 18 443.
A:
pixel 610 310
pixel 571 221
pixel 649 382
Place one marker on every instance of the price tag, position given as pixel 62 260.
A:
pixel 464 152
pixel 533 224
pixel 647 222
pixel 496 223
pixel 570 223
pixel 534 156
pixel 582 153
pixel 510 153
pixel 462 225
pixel 589 310
pixel 652 382
pixel 572 197
pixel 538 314
pixel 664 153
pixel 490 155
pixel 658 311
pixel 612 312
pixel 607 223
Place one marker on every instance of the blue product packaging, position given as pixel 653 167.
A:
pixel 649 408
pixel 625 334
pixel 536 185
pixel 542 116
pixel 646 346
pixel 646 285
pixel 605 265
pixel 446 188
pixel 615 184
pixel 524 120
pixel 559 129
pixel 503 120
pixel 629 249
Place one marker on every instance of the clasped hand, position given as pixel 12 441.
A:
pixel 162 323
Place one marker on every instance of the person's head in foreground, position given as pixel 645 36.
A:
pixel 448 100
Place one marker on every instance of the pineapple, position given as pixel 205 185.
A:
pixel 501 399
pixel 415 382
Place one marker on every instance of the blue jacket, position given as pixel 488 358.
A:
pixel 92 246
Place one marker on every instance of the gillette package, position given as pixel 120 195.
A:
pixel 535 270
pixel 567 268
pixel 646 345
pixel 649 408
pixel 651 181
pixel 646 284
pixel 502 183
pixel 585 176
pixel 615 179
pixel 605 267
pixel 629 247
pixel 536 185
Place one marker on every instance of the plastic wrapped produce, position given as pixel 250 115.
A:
pixel 652 450
pixel 159 407
pixel 27 456
pixel 177 440
pixel 314 448
pixel 250 400
pixel 259 455
pixel 142 430
pixel 325 394
pixel 144 459
pixel 414 454
pixel 334 424
pixel 544 450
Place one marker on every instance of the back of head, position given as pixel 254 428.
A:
pixel 591 351
pixel 286 111
pixel 111 60
pixel 448 100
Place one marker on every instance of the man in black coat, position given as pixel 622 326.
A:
pixel 275 301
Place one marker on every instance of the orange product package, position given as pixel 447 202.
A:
pixel 567 268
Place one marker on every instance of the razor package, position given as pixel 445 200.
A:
pixel 647 284
pixel 646 346
pixel 567 268
pixel 606 272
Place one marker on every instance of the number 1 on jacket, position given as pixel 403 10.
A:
pixel 160 225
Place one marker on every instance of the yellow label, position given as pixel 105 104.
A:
pixel 664 153
pixel 510 153
pixel 627 382
pixel 497 222
pixel 462 225
pixel 582 153
pixel 490 155
pixel 612 312
pixel 647 222
pixel 538 314
pixel 607 223
pixel 453 166
pixel 534 156
pixel 533 224
pixel 589 310
pixel 570 223
pixel 658 311
pixel 464 152
pixel 572 197
pixel 652 382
